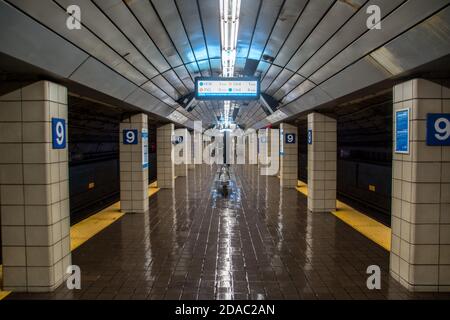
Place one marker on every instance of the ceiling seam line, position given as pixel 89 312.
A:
pixel 132 43
pixel 361 58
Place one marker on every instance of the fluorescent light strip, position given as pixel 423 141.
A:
pixel 229 29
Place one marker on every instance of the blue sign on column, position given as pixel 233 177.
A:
pixel 290 138
pixel 144 138
pixel 310 136
pixel 402 131
pixel 58 133
pixel 130 136
pixel 438 129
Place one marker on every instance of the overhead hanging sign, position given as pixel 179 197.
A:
pixel 402 131
pixel 218 88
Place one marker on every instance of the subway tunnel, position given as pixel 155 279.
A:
pixel 224 150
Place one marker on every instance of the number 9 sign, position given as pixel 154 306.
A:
pixel 130 136
pixel 290 138
pixel 438 129
pixel 58 133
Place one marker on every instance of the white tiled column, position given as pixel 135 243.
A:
pixel 133 171
pixel 322 163
pixel 164 155
pixel 420 253
pixel 191 165
pixel 252 143
pixel 34 189
pixel 263 147
pixel 198 146
pixel 181 169
pixel 289 158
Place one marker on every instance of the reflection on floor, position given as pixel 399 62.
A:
pixel 86 229
pixel 3 294
pixel 89 227
pixel 372 229
pixel 258 243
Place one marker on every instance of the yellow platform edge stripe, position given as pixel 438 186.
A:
pixel 370 228
pixel 3 294
pixel 89 227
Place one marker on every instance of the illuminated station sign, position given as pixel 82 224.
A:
pixel 215 88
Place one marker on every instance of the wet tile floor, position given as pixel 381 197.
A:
pixel 259 243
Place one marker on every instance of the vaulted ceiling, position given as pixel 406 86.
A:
pixel 304 51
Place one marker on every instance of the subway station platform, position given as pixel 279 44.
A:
pixel 260 243
pixel 216 150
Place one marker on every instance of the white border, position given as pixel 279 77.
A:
pixel 395 130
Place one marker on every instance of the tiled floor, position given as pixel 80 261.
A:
pixel 260 243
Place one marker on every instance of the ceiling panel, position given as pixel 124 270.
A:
pixel 338 14
pixel 288 17
pixel 192 22
pixel 97 76
pixel 123 18
pixel 397 22
pixel 148 18
pixel 308 20
pixel 169 16
pixel 104 29
pixel 62 62
pixel 209 12
pixel 266 20
pixel 354 28
pixel 150 51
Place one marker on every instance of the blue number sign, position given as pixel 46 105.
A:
pixel 310 136
pixel 290 138
pixel 402 131
pixel 130 136
pixel 438 129
pixel 58 133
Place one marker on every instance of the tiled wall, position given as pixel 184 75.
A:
pixel 420 254
pixel 289 158
pixel 34 189
pixel 322 163
pixel 192 163
pixel 133 175
pixel 181 169
pixel 164 154
pixel 198 148
pixel 251 148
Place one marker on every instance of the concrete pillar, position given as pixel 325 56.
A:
pixel 252 148
pixel 247 149
pixel 191 165
pixel 198 145
pixel 182 152
pixel 420 253
pixel 134 164
pixel 288 156
pixel 263 147
pixel 34 187
pixel 321 163
pixel 164 156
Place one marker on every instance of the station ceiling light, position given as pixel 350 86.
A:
pixel 229 27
